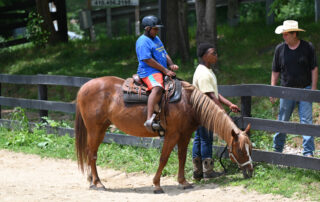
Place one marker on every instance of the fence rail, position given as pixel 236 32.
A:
pixel 244 91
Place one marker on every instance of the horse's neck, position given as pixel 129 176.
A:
pixel 228 126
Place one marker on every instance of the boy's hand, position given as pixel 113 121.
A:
pixel 234 108
pixel 174 67
pixel 169 73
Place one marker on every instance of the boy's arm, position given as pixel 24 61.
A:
pixel 153 63
pixel 226 102
pixel 213 97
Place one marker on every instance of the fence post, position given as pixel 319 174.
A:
pixel 245 107
pixel 0 105
pixel 42 95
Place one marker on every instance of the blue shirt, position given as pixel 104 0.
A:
pixel 147 48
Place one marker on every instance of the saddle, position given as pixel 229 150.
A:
pixel 135 92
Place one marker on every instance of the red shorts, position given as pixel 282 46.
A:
pixel 153 80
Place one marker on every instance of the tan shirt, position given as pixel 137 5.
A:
pixel 205 80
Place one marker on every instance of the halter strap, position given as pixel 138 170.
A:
pixel 234 158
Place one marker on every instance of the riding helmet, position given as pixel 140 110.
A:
pixel 151 21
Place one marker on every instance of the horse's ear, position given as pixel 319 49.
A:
pixel 234 135
pixel 248 128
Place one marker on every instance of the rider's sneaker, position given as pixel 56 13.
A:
pixel 148 125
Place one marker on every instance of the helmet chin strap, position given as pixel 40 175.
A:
pixel 147 32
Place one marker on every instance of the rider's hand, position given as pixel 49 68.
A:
pixel 169 73
pixel 234 108
pixel 174 67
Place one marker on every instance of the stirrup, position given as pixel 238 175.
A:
pixel 148 124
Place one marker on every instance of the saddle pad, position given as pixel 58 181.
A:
pixel 136 98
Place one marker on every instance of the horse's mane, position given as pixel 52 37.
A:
pixel 210 115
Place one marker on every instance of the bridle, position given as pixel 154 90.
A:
pixel 231 155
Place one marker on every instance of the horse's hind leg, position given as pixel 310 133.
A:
pixel 182 155
pixel 94 140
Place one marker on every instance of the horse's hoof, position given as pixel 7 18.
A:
pixel 185 186
pixel 94 187
pixel 158 191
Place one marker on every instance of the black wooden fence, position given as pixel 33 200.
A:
pixel 244 91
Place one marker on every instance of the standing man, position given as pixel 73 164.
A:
pixel 205 80
pixel 153 64
pixel 296 61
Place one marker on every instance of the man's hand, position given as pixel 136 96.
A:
pixel 169 73
pixel 174 67
pixel 234 108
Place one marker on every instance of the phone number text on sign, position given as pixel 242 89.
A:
pixel 115 2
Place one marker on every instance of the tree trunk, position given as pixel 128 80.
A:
pixel 206 21
pixel 43 10
pixel 62 20
pixel 177 38
pixel 233 18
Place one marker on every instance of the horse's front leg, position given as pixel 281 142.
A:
pixel 169 142
pixel 182 155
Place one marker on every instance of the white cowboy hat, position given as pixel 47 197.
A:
pixel 288 26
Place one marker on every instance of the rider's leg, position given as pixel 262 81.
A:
pixel 154 98
pixel 155 83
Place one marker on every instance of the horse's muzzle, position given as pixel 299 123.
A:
pixel 247 172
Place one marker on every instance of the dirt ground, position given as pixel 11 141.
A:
pixel 31 178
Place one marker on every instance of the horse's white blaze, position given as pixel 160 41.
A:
pixel 245 163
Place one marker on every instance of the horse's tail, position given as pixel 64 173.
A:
pixel 81 139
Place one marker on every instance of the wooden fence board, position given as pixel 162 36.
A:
pixel 290 160
pixel 38 104
pixel 278 126
pixel 269 91
pixel 44 80
pixel 62 80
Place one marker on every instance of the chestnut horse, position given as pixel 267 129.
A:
pixel 100 103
